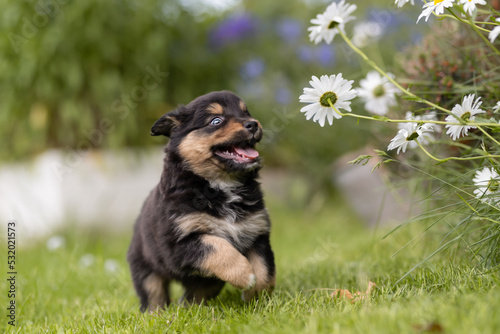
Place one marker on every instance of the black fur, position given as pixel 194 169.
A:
pixel 229 194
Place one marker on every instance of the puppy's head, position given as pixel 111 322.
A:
pixel 214 135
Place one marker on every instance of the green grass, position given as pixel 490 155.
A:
pixel 314 252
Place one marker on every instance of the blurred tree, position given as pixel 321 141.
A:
pixel 71 69
pixel 82 75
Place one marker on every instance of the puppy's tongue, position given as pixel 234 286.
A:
pixel 247 152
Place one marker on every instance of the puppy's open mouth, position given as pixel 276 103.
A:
pixel 238 154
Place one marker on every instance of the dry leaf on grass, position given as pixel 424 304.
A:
pixel 433 327
pixel 357 296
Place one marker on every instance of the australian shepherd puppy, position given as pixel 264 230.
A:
pixel 205 223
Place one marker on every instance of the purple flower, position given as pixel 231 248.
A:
pixel 289 30
pixel 384 18
pixel 234 28
pixel 283 95
pixel 325 54
pixel 252 68
pixel 306 54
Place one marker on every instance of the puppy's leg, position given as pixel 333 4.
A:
pixel 150 287
pixel 199 289
pixel 223 261
pixel 157 291
pixel 261 258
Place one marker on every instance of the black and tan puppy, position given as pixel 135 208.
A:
pixel 205 223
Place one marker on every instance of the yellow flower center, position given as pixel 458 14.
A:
pixel 493 185
pixel 333 25
pixel 413 136
pixel 379 91
pixel 438 1
pixel 466 116
pixel 323 100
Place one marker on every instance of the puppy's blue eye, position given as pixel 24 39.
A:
pixel 216 121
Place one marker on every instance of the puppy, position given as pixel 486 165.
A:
pixel 205 223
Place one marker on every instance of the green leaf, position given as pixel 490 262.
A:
pixel 377 166
pixel 484 120
pixel 362 160
pixel 381 153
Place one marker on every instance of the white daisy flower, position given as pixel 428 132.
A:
pixel 327 24
pixel 470 5
pixel 436 6
pixel 426 135
pixel 495 32
pixel 465 112
pixel 401 3
pixel 407 134
pixel 430 116
pixel 332 87
pixel 366 33
pixel 377 93
pixel 496 108
pixel 487 182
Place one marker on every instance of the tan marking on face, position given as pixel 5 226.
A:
pixel 243 106
pixel 154 286
pixel 228 132
pixel 226 263
pixel 196 151
pixel 215 108
pixel 265 279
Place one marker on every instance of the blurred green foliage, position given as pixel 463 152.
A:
pixel 81 75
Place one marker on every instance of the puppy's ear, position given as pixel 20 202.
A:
pixel 166 124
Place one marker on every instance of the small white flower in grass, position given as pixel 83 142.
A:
pixel 436 6
pixel 408 133
pixel 55 242
pixel 470 5
pixel 87 260
pixel 334 88
pixel 111 265
pixel 496 108
pixel 401 3
pixel 377 93
pixel 327 24
pixel 487 182
pixel 464 112
pixel 495 32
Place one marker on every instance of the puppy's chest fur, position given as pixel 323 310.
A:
pixel 226 212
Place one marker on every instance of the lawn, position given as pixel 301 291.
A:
pixel 84 287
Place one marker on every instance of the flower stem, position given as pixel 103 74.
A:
pixel 488 135
pixel 428 154
pixel 477 30
pixel 488 156
pixel 389 120
pixel 454 158
pixel 391 80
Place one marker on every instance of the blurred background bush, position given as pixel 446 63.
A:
pixel 97 74
pixel 82 83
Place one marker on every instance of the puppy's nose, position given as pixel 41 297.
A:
pixel 251 126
